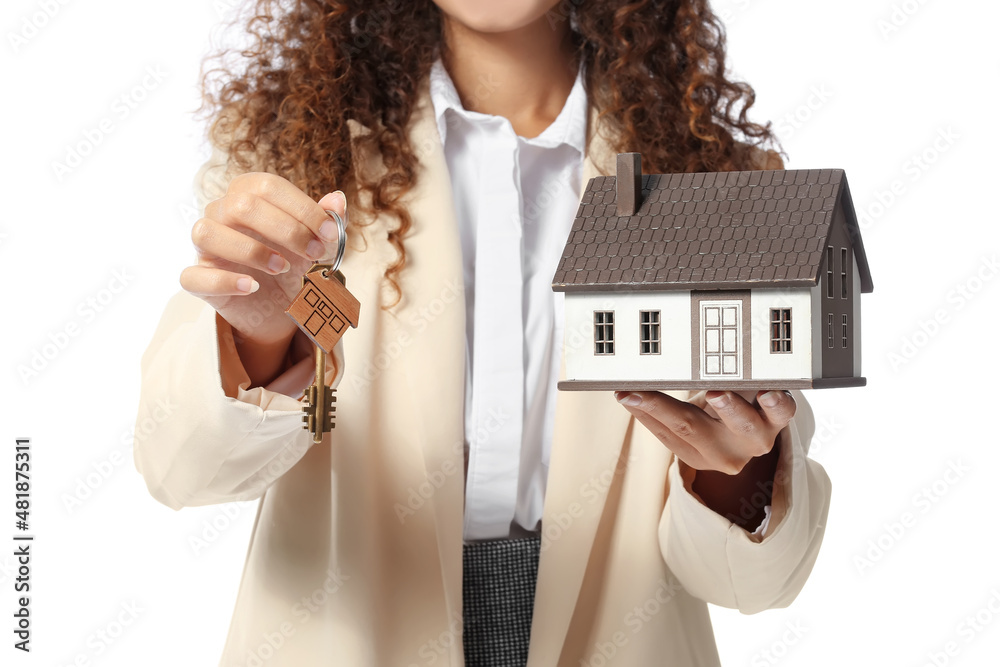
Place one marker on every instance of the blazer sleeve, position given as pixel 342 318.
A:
pixel 204 436
pixel 721 563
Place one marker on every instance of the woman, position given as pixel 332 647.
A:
pixel 429 120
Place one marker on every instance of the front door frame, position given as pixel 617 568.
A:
pixel 698 299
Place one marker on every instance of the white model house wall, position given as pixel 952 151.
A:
pixel 765 364
pixel 674 359
pixel 819 337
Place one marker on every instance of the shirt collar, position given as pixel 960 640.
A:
pixel 569 127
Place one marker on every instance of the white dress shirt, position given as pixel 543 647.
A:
pixel 515 200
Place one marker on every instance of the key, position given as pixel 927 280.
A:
pixel 323 309
pixel 319 409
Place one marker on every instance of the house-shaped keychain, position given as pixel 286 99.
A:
pixel 741 280
pixel 324 308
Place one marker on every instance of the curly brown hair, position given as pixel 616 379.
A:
pixel 655 70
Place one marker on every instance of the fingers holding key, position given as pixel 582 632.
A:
pixel 247 211
pixel 319 239
pixel 254 244
pixel 213 239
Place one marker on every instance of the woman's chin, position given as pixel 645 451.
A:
pixel 493 16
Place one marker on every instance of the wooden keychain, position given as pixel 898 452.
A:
pixel 323 309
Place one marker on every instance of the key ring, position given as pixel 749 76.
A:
pixel 341 240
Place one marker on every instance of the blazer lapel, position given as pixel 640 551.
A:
pixel 431 326
pixel 590 429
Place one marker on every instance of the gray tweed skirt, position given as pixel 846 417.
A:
pixel 498 596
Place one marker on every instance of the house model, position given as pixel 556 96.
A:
pixel 324 308
pixel 740 280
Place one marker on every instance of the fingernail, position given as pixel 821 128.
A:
pixel 341 199
pixel 770 399
pixel 630 399
pixel 328 230
pixel 247 285
pixel 278 264
pixel 720 401
pixel 315 250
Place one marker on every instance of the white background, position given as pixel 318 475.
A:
pixel 866 85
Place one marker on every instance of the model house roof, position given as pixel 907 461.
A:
pixel 710 230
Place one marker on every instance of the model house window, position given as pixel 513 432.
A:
pixel 781 330
pixel 829 272
pixel 829 330
pixel 843 273
pixel 649 332
pixel 604 332
pixel 843 331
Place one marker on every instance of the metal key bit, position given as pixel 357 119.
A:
pixel 319 411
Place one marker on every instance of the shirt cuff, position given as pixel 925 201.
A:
pixel 287 389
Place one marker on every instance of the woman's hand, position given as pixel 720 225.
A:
pixel 726 439
pixel 253 246
pixel 717 430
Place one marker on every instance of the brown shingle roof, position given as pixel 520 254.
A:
pixel 711 230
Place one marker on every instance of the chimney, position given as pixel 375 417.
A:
pixel 628 178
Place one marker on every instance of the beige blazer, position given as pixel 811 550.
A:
pixel 356 553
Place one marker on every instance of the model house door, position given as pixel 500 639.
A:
pixel 721 353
